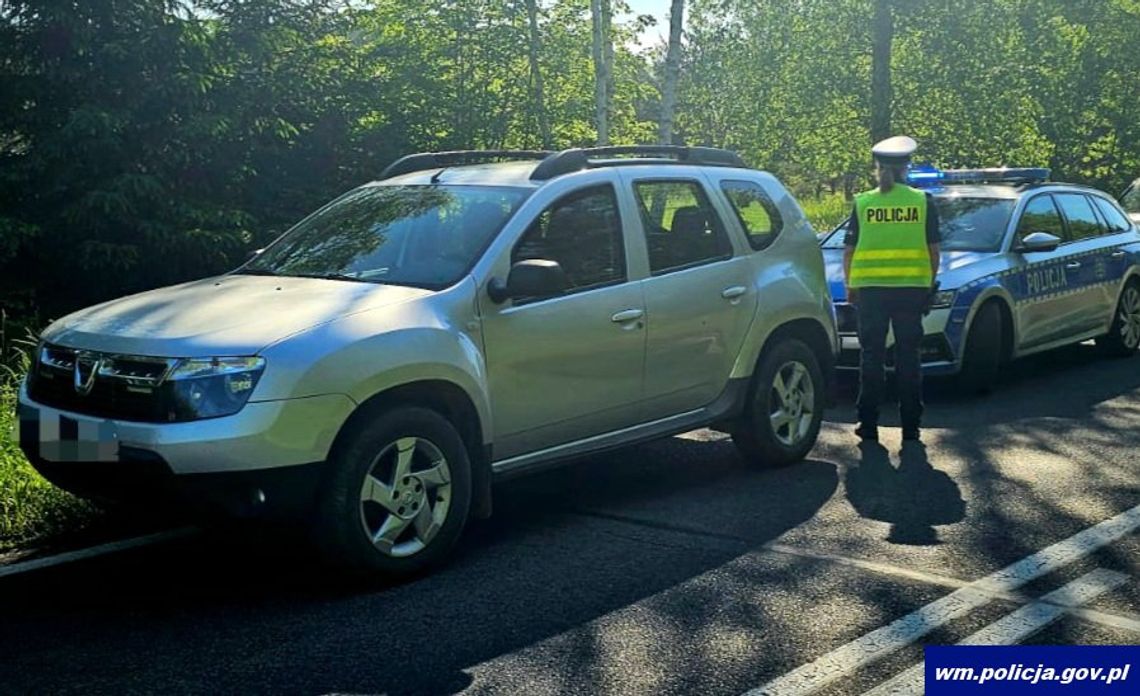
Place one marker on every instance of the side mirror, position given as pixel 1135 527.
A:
pixel 530 278
pixel 1038 241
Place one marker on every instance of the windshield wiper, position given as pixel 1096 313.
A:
pixel 257 272
pixel 334 276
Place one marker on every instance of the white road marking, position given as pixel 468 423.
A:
pixel 94 551
pixel 908 629
pixel 1014 627
pixel 1116 620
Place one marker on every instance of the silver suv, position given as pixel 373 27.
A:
pixel 469 316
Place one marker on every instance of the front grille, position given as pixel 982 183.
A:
pixel 123 387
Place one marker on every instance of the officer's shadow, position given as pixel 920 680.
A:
pixel 914 498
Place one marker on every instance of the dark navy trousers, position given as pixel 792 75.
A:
pixel 880 309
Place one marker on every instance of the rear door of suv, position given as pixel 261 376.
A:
pixel 698 292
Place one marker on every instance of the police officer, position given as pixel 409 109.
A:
pixel 890 261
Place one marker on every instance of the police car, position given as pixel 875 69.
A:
pixel 1027 265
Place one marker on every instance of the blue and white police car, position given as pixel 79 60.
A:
pixel 1027 265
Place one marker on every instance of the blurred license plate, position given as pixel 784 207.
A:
pixel 62 438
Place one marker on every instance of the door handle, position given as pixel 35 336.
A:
pixel 627 315
pixel 1073 265
pixel 733 292
pixel 1117 255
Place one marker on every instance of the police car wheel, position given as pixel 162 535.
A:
pixel 982 357
pixel 785 407
pixel 1123 337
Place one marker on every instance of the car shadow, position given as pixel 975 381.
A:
pixel 246 611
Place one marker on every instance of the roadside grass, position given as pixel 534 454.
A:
pixel 827 211
pixel 30 507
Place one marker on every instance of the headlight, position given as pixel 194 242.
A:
pixel 942 299
pixel 212 387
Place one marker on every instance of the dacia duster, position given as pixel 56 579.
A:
pixel 468 316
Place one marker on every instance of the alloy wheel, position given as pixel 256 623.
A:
pixel 405 496
pixel 792 403
pixel 1130 317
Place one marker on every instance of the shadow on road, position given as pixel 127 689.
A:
pixel 1069 382
pixel 913 499
pixel 253 615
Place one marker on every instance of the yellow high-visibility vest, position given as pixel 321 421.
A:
pixel 891 250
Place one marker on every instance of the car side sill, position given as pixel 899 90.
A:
pixel 730 403
pixel 1060 343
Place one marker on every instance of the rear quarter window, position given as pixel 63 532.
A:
pixel 754 208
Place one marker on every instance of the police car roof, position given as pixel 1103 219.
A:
pixel 976 191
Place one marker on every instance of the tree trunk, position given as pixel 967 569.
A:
pixel 601 105
pixel 882 32
pixel 536 74
pixel 672 70
pixel 608 58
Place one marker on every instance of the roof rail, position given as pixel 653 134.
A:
pixel 576 159
pixel 432 160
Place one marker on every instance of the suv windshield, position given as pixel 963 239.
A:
pixel 423 236
pixel 966 224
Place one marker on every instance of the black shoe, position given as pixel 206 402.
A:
pixel 868 432
pixel 911 434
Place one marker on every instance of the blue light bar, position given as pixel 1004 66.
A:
pixel 924 174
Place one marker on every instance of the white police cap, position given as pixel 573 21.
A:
pixel 896 150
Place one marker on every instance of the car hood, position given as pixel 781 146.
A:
pixel 225 315
pixel 949 269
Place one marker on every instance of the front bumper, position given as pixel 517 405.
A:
pixel 267 446
pixel 939 354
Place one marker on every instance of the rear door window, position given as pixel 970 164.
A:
pixel 681 227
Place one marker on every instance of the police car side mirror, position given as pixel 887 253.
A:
pixel 1039 241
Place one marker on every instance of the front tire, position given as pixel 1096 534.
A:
pixel 781 421
pixel 399 493
pixel 1123 336
pixel 981 360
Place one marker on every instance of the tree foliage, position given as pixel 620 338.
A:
pixel 143 142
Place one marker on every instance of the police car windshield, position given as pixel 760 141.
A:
pixel 973 224
pixel 966 223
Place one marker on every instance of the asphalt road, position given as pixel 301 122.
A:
pixel 669 569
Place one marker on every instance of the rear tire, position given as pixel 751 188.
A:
pixel 785 407
pixel 981 360
pixel 1123 336
pixel 398 495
